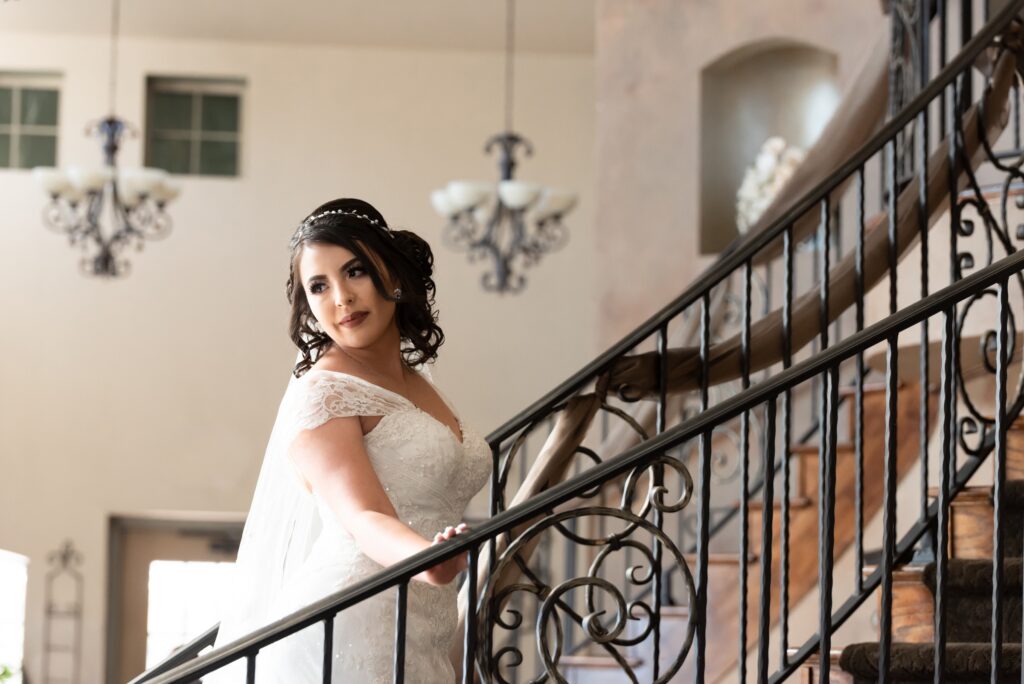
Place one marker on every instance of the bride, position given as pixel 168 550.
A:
pixel 367 463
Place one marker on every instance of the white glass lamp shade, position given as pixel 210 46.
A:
pixel 442 203
pixel 73 194
pixel 166 191
pixel 129 187
pixel 518 194
pixel 90 179
pixel 150 179
pixel 130 198
pixel 554 203
pixel 52 180
pixel 467 194
pixel 482 214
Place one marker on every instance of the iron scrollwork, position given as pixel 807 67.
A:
pixel 614 635
pixel 981 234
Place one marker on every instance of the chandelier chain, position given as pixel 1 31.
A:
pixel 115 21
pixel 510 33
pixel 516 223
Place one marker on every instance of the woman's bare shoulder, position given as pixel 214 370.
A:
pixel 334 362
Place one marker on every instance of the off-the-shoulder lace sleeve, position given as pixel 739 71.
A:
pixel 327 395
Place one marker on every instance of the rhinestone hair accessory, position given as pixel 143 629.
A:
pixel 350 212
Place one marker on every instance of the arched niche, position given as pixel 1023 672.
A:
pixel 747 96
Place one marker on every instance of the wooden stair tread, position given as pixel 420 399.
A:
pixel 871 387
pixel 983 493
pixel 972 494
pixel 901 573
pixel 812 449
pixel 815 657
pixel 721 558
pixel 794 502
pixel 595 661
pixel 674 611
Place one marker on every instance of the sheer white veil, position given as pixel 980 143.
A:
pixel 279 531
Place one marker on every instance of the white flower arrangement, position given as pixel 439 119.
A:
pixel 763 180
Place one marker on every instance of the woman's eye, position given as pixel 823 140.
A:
pixel 316 288
pixel 356 271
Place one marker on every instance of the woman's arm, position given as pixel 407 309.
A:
pixel 334 463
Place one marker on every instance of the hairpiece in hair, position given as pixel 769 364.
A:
pixel 350 212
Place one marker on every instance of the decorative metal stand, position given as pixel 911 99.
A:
pixel 62 624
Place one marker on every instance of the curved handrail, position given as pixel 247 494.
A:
pixel 637 457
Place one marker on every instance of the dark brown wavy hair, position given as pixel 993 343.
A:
pixel 405 257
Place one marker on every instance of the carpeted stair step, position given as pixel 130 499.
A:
pixel 969 599
pixel 914 663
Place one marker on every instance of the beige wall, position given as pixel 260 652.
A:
pixel 649 57
pixel 158 391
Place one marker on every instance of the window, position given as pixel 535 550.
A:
pixel 29 107
pixel 13 582
pixel 193 126
pixel 185 597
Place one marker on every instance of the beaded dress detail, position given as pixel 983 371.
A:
pixel 429 476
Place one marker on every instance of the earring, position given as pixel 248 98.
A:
pixel 315 325
pixel 398 293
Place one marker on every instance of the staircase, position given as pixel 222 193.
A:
pixel 622 553
pixel 968 595
pixel 723 614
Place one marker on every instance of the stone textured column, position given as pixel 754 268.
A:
pixel 649 57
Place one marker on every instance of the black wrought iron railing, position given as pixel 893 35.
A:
pixel 540 510
pixel 793 352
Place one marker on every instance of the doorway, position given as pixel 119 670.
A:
pixel 160 570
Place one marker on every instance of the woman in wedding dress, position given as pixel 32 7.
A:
pixel 367 464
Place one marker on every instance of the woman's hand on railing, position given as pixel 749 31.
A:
pixel 446 571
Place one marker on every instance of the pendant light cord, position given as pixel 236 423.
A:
pixel 510 32
pixel 114 22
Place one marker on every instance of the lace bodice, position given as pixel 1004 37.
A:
pixel 420 462
pixel 429 476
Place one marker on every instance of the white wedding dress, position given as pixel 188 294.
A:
pixel 294 551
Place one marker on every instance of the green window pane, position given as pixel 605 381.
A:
pixel 37 150
pixel 172 111
pixel 217 158
pixel 220 113
pixel 5 151
pixel 6 102
pixel 173 156
pixel 38 107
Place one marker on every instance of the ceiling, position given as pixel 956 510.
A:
pixel 565 26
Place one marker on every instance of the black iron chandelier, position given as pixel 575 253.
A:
pixel 134 198
pixel 513 223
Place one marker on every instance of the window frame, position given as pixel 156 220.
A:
pixel 17 82
pixel 197 87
